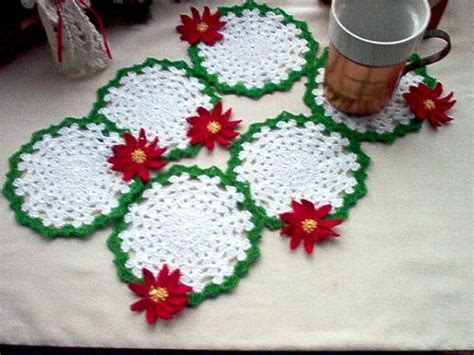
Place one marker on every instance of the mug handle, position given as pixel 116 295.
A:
pixel 433 33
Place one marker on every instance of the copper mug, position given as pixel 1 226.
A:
pixel 371 41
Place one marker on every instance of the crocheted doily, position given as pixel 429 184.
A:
pixel 395 120
pixel 294 157
pixel 264 49
pixel 60 184
pixel 158 96
pixel 194 220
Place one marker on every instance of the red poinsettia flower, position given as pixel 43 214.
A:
pixel 308 223
pixel 197 28
pixel 137 156
pixel 212 126
pixel 427 103
pixel 162 297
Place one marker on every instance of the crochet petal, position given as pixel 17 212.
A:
pixel 329 223
pixel 163 276
pixel 148 276
pixel 323 211
pixel 140 305
pixel 295 241
pixel 196 16
pixel 308 245
pixel 151 315
pixel 144 173
pixel 139 289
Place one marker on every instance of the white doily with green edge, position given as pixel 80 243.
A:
pixel 397 112
pixel 295 157
pixel 264 49
pixel 192 219
pixel 393 121
pixel 60 184
pixel 158 96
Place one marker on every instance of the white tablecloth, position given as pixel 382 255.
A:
pixel 401 277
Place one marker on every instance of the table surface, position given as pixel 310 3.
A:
pixel 401 277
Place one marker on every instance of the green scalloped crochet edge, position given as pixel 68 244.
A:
pixel 68 230
pixel 360 175
pixel 370 136
pixel 240 89
pixel 175 153
pixel 241 268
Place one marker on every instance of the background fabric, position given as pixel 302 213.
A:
pixel 401 276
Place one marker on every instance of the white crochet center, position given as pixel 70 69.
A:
pixel 256 50
pixel 396 113
pixel 67 179
pixel 294 162
pixel 158 100
pixel 192 224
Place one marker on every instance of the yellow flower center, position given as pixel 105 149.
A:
pixel 429 104
pixel 214 127
pixel 158 294
pixel 202 26
pixel 138 156
pixel 309 225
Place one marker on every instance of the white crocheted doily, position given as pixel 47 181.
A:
pixel 66 180
pixel 258 49
pixel 191 224
pixel 157 98
pixel 394 114
pixel 295 162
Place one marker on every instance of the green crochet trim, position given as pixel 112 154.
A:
pixel 68 230
pixel 370 136
pixel 211 290
pixel 354 146
pixel 173 154
pixel 240 89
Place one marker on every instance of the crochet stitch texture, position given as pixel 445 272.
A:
pixel 264 49
pixel 193 219
pixel 394 121
pixel 60 184
pixel 394 114
pixel 293 157
pixel 205 222
pixel 157 96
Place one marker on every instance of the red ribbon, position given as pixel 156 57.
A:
pixel 59 31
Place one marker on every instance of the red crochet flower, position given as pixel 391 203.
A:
pixel 212 126
pixel 162 297
pixel 202 28
pixel 427 103
pixel 137 157
pixel 308 223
